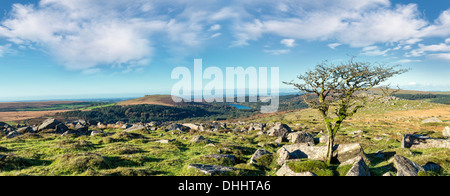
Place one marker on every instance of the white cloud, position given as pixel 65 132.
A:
pixel 334 45
pixel 77 35
pixel 85 34
pixel 216 35
pixel 440 56
pixel 277 52
pixel 374 51
pixel 215 27
pixel 288 42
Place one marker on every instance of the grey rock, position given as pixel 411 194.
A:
pixel 26 129
pixel 301 137
pixel 430 166
pixel 198 139
pixel 283 155
pixel 4 125
pixel 406 167
pixel 286 171
pixel 257 155
pixel 323 139
pixel 446 132
pixel 135 127
pixel 432 120
pixel 126 126
pixel 177 127
pixel 342 152
pixel 61 128
pixel 387 174
pixel 279 130
pixel 211 169
pixel 95 132
pixel 165 141
pixel 13 134
pixel 415 141
pixel 48 124
pixel 359 168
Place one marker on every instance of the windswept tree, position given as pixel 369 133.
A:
pixel 339 91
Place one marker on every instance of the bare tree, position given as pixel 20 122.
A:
pixel 337 91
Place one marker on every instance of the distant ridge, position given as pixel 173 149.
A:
pixel 164 100
pixel 378 90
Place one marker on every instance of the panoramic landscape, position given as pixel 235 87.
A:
pixel 224 88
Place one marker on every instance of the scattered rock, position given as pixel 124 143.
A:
pixel 211 169
pixel 198 139
pixel 432 120
pixel 446 132
pixel 286 171
pixel 166 141
pixel 406 167
pixel 415 141
pixel 359 168
pixel 279 130
pixel 430 166
pixel 342 152
pixel 95 132
pixel 323 139
pixel 135 127
pixel 177 127
pixel 48 124
pixel 301 137
pixel 257 155
pixel 13 134
pixel 126 126
pixel 283 155
pixel 387 174
pixel 191 126
pixel 26 129
pixel 61 128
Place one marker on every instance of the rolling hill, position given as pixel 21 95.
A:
pixel 164 100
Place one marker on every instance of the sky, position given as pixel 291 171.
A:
pixel 60 49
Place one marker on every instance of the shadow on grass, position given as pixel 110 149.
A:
pixel 12 162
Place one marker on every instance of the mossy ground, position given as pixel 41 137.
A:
pixel 117 153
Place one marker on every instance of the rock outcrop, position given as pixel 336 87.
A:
pixel 286 171
pixel 415 141
pixel 279 130
pixel 257 155
pixel 300 137
pixel 211 169
pixel 359 168
pixel 406 167
pixel 342 152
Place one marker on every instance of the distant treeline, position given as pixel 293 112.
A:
pixel 188 112
pixel 149 113
pixel 433 98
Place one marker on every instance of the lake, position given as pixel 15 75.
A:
pixel 241 107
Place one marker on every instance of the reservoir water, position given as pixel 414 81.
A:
pixel 241 107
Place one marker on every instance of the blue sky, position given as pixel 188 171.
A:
pixel 59 49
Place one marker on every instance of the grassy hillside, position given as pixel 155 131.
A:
pixel 164 100
pixel 379 127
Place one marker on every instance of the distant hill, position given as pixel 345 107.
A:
pixel 164 100
pixel 378 90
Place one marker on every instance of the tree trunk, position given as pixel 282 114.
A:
pixel 330 148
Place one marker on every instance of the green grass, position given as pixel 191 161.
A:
pixel 116 153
